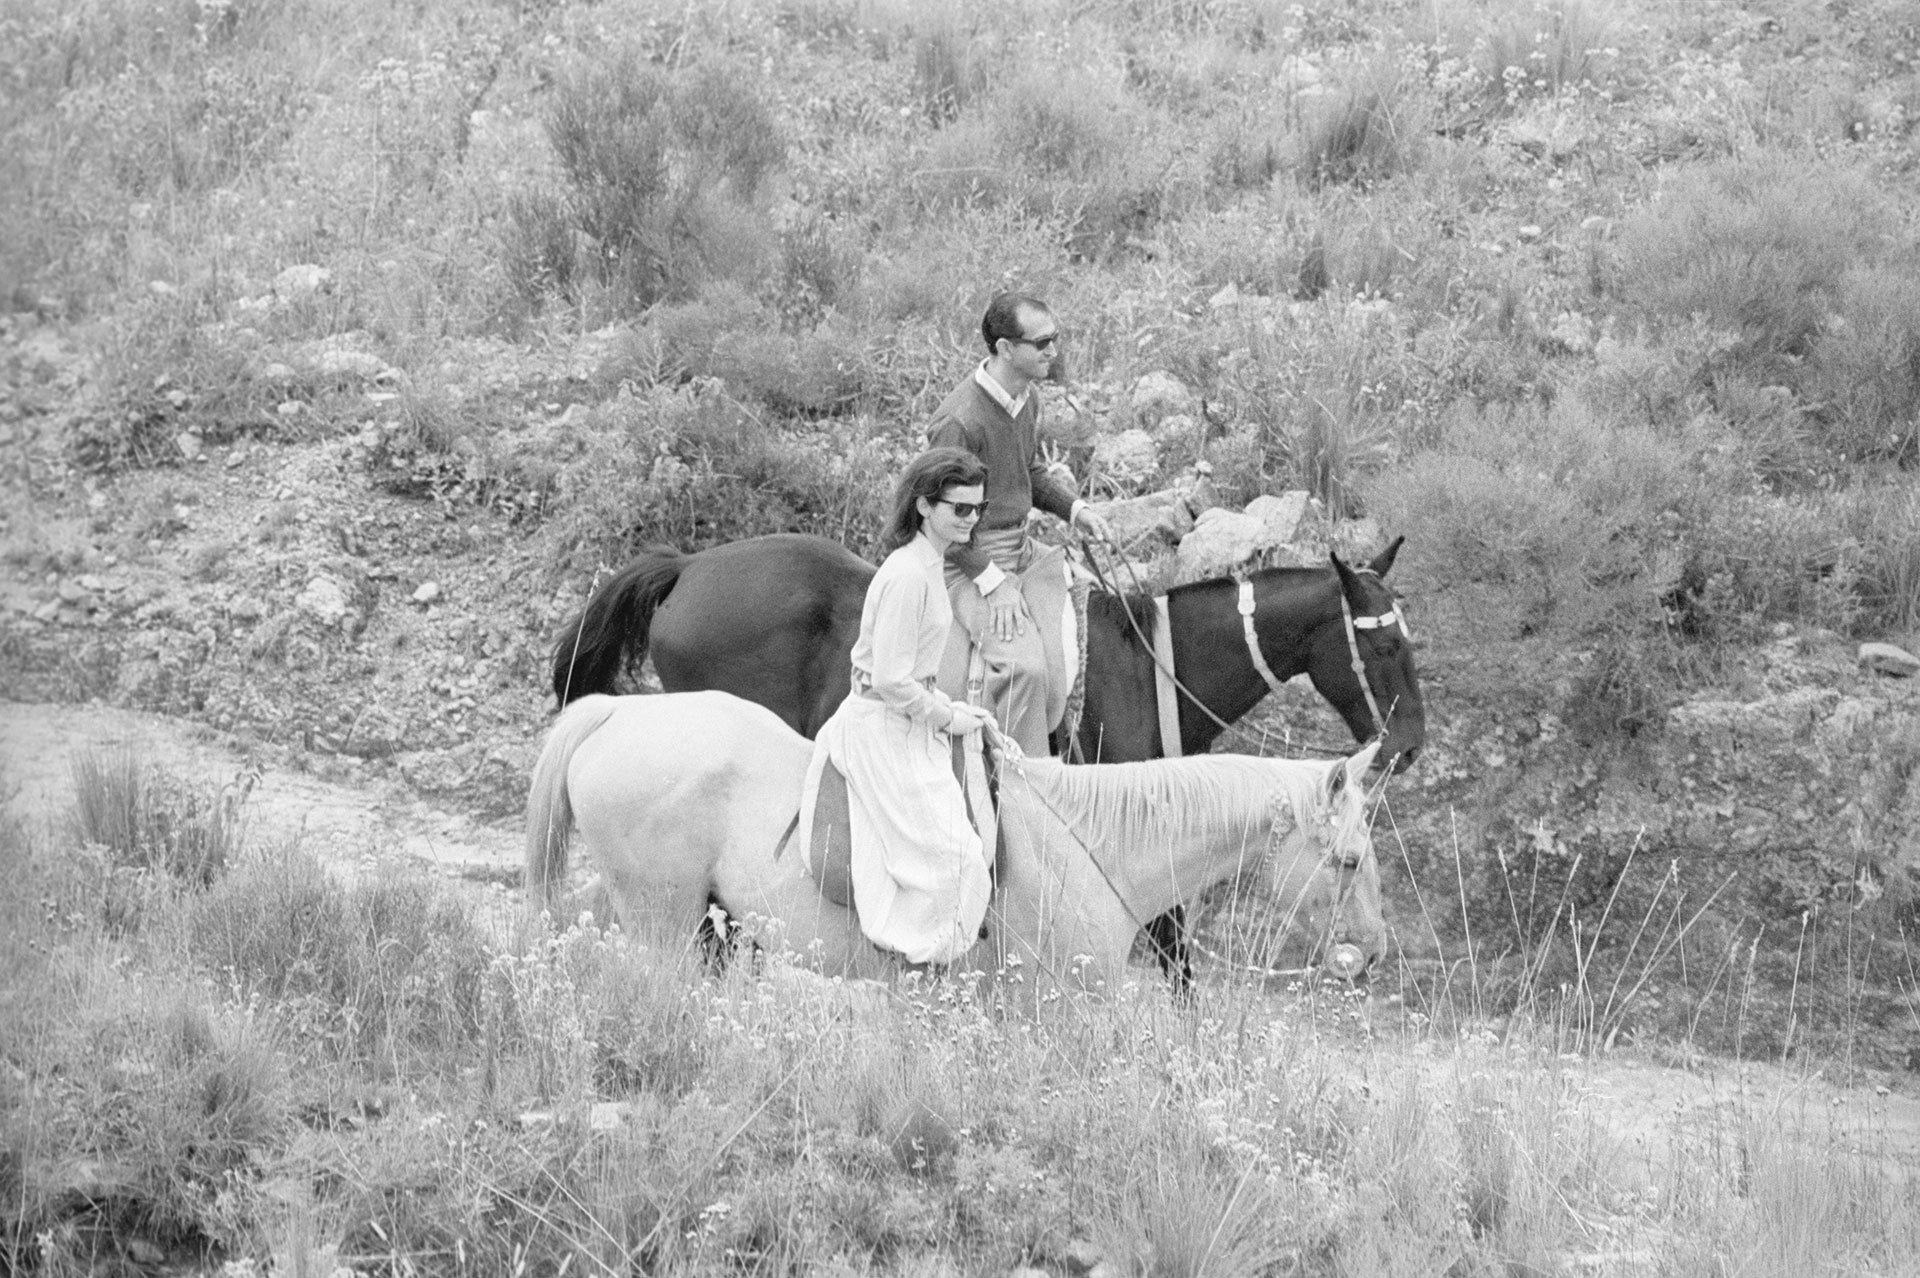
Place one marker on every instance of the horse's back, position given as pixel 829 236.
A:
pixel 771 619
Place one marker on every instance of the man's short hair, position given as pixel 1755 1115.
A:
pixel 1003 318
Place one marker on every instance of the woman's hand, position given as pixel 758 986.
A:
pixel 968 719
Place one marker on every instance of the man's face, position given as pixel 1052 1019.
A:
pixel 1034 352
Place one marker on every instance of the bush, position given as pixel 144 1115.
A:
pixel 663 175
pixel 1800 265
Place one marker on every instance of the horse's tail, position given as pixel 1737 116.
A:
pixel 549 806
pixel 612 629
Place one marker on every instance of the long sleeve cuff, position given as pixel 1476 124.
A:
pixel 990 578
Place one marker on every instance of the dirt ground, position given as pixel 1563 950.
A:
pixel 348 826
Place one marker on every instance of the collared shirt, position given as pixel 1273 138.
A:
pixel 999 392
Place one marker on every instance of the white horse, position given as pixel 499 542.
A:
pixel 683 800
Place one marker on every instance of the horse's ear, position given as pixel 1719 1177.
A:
pixel 1350 771
pixel 1384 560
pixel 1349 583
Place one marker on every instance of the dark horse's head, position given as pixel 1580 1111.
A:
pixel 1377 633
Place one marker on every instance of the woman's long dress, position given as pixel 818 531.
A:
pixel 919 877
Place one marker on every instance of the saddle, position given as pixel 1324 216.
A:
pixel 830 849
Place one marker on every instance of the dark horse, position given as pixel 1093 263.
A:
pixel 773 619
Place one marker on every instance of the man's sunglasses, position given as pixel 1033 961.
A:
pixel 1038 343
pixel 964 509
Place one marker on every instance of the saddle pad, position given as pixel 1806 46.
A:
pixel 830 847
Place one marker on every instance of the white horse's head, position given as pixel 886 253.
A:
pixel 1323 864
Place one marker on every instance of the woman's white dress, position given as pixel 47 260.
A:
pixel 919 876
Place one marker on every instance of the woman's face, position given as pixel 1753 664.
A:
pixel 944 522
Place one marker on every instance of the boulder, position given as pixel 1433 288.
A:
pixel 298 283
pixel 1129 460
pixel 325 599
pixel 1281 515
pixel 1159 395
pixel 1141 524
pixel 1221 541
pixel 1889 659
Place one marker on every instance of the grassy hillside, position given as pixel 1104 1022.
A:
pixel 1612 309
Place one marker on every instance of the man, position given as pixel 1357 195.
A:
pixel 1002 581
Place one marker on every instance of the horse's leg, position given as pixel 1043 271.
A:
pixel 1171 949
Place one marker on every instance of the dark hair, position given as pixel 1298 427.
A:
pixel 929 475
pixel 1003 318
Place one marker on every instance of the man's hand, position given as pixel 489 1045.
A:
pixel 1093 524
pixel 1007 608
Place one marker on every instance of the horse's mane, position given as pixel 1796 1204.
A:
pixel 1129 803
pixel 1132 614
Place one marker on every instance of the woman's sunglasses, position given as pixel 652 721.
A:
pixel 964 509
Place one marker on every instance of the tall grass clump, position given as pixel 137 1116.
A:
pixel 1372 129
pixel 390 968
pixel 148 819
pixel 662 178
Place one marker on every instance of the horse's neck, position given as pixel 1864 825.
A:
pixel 1210 649
pixel 1194 823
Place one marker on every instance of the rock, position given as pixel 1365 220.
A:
pixel 1528 234
pixel 298 283
pixel 351 365
pixel 1228 296
pixel 1570 333
pixel 1158 395
pixel 189 445
pixel 1161 517
pixel 1129 460
pixel 279 374
pixel 324 599
pixel 608 1116
pixel 1281 515
pixel 1083 1254
pixel 1221 541
pixel 1889 659
pixel 142 1251
pixel 1174 428
pixel 427 592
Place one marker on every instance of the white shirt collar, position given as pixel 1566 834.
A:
pixel 999 392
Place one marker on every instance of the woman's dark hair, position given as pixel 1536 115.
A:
pixel 929 475
pixel 1003 318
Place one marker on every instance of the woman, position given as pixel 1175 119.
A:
pixel 919 876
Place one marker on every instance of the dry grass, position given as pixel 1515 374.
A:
pixel 573 1100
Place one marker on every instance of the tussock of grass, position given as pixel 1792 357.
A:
pixel 146 819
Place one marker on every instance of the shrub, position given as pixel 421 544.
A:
pixel 1760 247
pixel 1884 522
pixel 146 818
pixel 1862 380
pixel 663 174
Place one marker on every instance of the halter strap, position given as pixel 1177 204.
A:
pixel 1253 639
pixel 1166 685
pixel 1349 624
